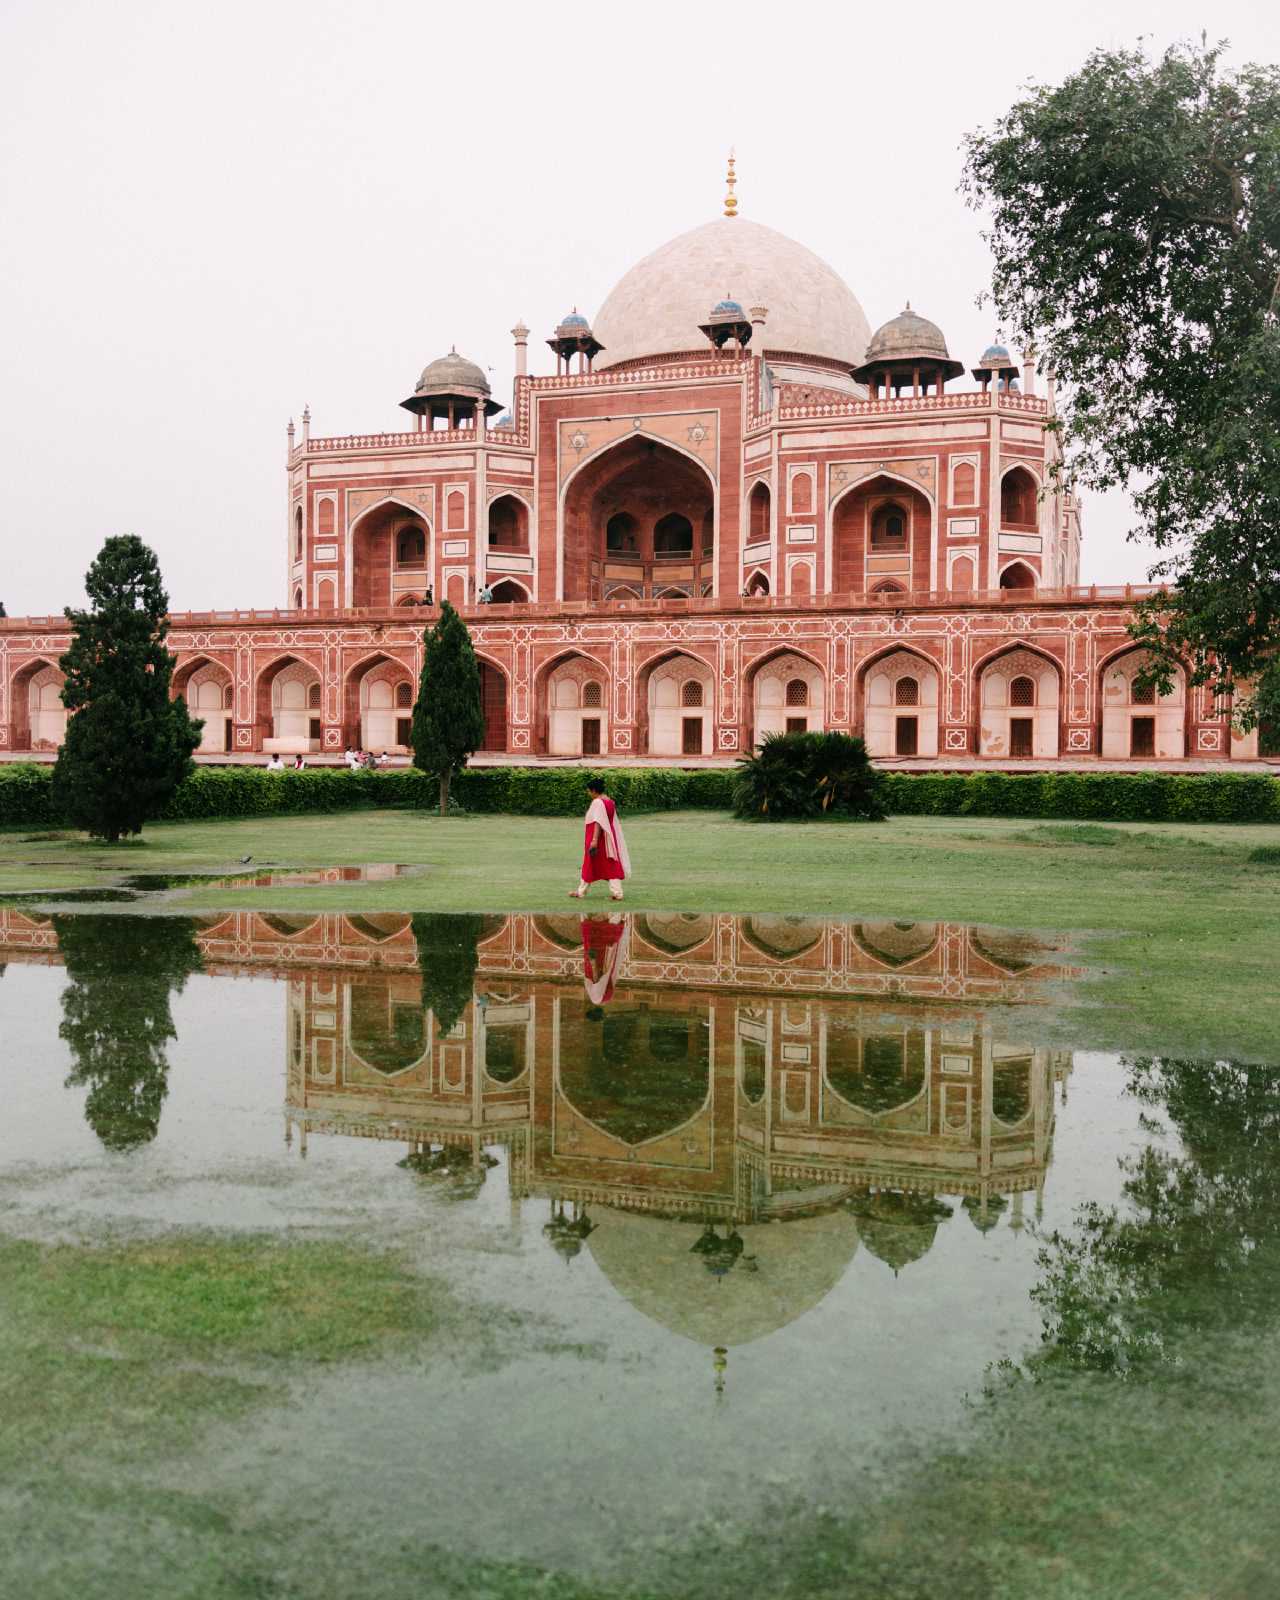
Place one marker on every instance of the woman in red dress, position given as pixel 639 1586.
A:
pixel 604 850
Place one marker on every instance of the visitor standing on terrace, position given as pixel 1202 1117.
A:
pixel 604 852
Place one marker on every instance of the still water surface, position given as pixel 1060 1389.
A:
pixel 779 1195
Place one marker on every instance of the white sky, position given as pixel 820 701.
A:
pixel 213 213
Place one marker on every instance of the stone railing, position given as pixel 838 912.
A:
pixel 1028 404
pixel 1009 599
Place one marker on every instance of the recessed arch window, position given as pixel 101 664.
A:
pixel 759 520
pixel 404 696
pixel 509 523
pixel 297 535
pixel 1022 692
pixel 1018 496
pixel 889 527
pixel 907 692
pixel 964 484
pixel 297 599
pixel 313 697
pixel 1143 694
pixel 673 536
pixel 593 694
pixel 797 693
pixel 758 583
pixel 324 519
pixel 411 547
pixel 691 692
pixel 622 533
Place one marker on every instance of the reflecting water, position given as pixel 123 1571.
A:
pixel 762 1179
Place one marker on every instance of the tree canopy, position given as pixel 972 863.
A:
pixel 1135 223
pixel 448 722
pixel 128 745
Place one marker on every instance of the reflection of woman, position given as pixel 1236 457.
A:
pixel 604 852
pixel 604 945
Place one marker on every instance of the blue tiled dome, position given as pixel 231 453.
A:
pixel 575 319
pixel 996 355
pixel 727 308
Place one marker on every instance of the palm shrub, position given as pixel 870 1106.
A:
pixel 796 775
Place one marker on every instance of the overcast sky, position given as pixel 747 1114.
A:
pixel 211 214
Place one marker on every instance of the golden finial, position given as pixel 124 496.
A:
pixel 730 199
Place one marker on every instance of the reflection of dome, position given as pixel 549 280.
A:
pixel 652 1262
pixel 898 1228
pixel 984 1211
pixel 656 307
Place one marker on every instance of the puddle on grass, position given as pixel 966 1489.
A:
pixel 788 1189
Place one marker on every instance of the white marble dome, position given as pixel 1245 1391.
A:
pixel 656 307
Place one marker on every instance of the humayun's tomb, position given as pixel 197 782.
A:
pixel 732 508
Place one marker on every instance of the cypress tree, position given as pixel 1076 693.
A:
pixel 448 722
pixel 127 746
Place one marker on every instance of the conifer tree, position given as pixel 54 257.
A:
pixel 128 745
pixel 448 722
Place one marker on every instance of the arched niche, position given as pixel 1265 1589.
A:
pixel 881 529
pixel 759 514
pixel 576 694
pixel 508 523
pixel 507 592
pixel 788 695
pixel 1019 497
pixel 1137 723
pixel 901 692
pixel 38 717
pixel 879 1073
pixel 493 703
pixel 1018 576
pixel 390 554
pixel 288 705
pixel 679 697
pixel 377 702
pixel 207 688
pixel 667 499
pixel 1018 693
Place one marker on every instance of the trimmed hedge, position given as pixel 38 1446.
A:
pixel 27 800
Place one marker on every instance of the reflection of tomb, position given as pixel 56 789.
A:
pixel 745 1071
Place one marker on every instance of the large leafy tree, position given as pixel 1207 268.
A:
pixel 1136 231
pixel 116 1016
pixel 448 722
pixel 128 745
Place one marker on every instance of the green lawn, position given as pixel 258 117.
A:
pixel 1189 962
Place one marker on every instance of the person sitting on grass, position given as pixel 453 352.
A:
pixel 604 854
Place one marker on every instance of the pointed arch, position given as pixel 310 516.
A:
pixel 567 725
pixel 1019 576
pixel 895 724
pixel 650 479
pixel 1010 725
pixel 37 719
pixel 850 517
pixel 1141 725
pixel 765 693
pixel 666 725
pixel 375 543
pixel 371 717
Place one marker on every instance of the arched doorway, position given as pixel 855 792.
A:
pixel 882 529
pixel 577 708
pixel 390 555
pixel 788 696
pixel 1018 693
pixel 900 706
pixel 288 707
pixel 378 701
pixel 680 697
pixel 509 593
pixel 639 513
pixel 39 718
pixel 493 702
pixel 1018 575
pixel 1137 723
pixel 207 689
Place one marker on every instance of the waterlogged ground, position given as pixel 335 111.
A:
pixel 618 1256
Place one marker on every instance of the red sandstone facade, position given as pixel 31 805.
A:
pixel 730 528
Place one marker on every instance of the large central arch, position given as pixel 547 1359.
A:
pixel 390 555
pixel 640 515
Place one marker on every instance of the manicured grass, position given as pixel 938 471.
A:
pixel 1189 961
